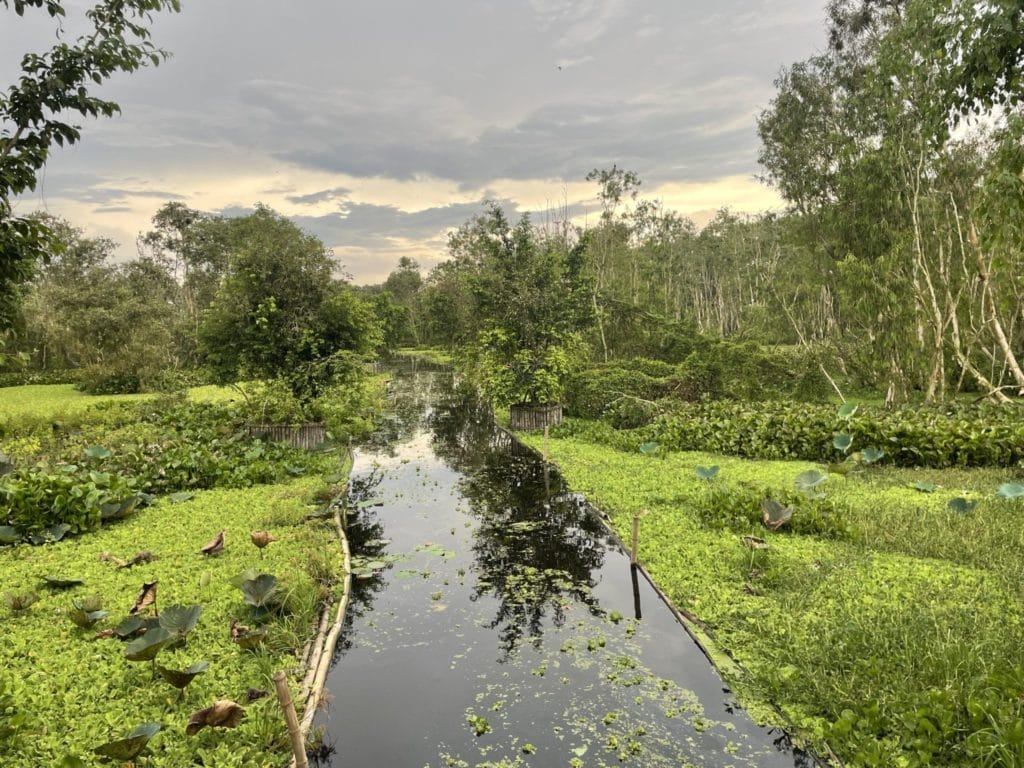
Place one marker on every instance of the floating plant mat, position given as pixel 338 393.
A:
pixel 496 622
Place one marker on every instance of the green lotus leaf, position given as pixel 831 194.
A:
pixel 98 452
pixel 181 678
pixel 177 498
pixel 130 626
pixel 871 454
pixel 130 747
pixel 147 647
pixel 707 473
pixel 809 480
pixel 248 574
pixel 962 506
pixel 260 591
pixel 842 442
pixel 85 619
pixel 180 619
pixel 9 534
pixel 1010 490
pixel 846 410
pixel 924 487
pixel 648 448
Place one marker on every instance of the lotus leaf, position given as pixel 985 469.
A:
pixel 962 506
pixel 648 448
pixel 180 619
pixel 9 534
pixel 707 473
pixel 871 454
pixel 1011 490
pixel 846 411
pixel 223 714
pixel 98 452
pixel 842 442
pixel 147 647
pixel 924 487
pixel 130 747
pixel 181 678
pixel 180 496
pixel 774 514
pixel 809 480
pixel 260 591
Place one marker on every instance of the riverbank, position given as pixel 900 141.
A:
pixel 888 626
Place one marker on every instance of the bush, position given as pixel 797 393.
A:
pixel 23 377
pixel 100 380
pixel 940 436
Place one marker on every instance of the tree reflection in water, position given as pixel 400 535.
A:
pixel 536 546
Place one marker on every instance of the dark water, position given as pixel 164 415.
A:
pixel 495 623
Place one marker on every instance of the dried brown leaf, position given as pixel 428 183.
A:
pixel 215 546
pixel 223 714
pixel 261 538
pixel 145 598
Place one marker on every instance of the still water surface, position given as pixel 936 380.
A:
pixel 496 620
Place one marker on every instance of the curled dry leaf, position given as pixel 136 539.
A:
pixel 106 557
pixel 104 634
pixel 261 538
pixel 753 542
pixel 142 557
pixel 145 598
pixel 255 694
pixel 215 546
pixel 224 714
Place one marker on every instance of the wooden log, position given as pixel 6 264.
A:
pixel 284 696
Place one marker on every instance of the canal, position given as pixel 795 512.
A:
pixel 495 622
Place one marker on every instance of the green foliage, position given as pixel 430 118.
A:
pixel 947 436
pixel 95 690
pixel 100 380
pixel 278 313
pixel 877 618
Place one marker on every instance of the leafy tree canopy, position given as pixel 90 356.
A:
pixel 34 113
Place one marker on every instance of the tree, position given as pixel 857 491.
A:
pixel 279 313
pixel 530 301
pixel 33 114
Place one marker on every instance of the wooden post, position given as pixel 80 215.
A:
pixel 546 452
pixel 636 538
pixel 284 696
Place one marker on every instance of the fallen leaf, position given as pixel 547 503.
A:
pixel 215 545
pixel 145 598
pixel 224 714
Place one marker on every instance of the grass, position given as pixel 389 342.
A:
pixel 75 693
pixel 428 354
pixel 878 619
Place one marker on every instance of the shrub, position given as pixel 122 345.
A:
pixel 100 380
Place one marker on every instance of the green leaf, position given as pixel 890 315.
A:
pixel 871 454
pixel 247 575
pixel 1010 491
pixel 842 442
pixel 846 410
pixel 177 498
pixel 147 647
pixel 963 506
pixel 98 452
pixel 180 619
pixel 9 534
pixel 181 678
pixel 648 448
pixel 129 748
pixel 924 487
pixel 707 473
pixel 809 480
pixel 130 626
pixel 260 591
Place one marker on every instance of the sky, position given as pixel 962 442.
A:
pixel 380 125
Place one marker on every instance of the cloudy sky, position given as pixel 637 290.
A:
pixel 378 125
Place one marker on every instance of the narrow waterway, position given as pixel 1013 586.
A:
pixel 495 623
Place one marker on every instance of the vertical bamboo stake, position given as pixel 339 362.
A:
pixel 636 538
pixel 284 696
pixel 546 444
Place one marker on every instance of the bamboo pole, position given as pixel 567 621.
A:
pixel 284 696
pixel 636 539
pixel 546 451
